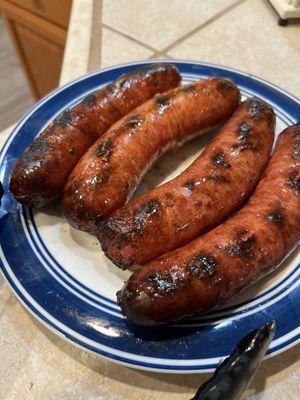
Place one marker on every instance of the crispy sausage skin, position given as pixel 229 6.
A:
pixel 212 269
pixel 109 172
pixel 216 184
pixel 41 173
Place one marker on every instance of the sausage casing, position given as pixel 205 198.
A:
pixel 215 185
pixel 41 173
pixel 212 269
pixel 109 172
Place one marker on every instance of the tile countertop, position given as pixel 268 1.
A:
pixel 36 364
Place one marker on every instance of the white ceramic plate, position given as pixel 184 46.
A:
pixel 62 276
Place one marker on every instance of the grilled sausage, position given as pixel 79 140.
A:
pixel 109 172
pixel 212 269
pixel 41 173
pixel 215 185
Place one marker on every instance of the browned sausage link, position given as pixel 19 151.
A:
pixel 111 169
pixel 40 174
pixel 215 267
pixel 215 185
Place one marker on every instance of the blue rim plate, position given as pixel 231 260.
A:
pixel 62 277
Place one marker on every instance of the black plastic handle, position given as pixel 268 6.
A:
pixel 1 192
pixel 234 374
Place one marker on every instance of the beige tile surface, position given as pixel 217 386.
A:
pixel 160 22
pixel 37 364
pixel 118 49
pixel 249 38
pixel 76 55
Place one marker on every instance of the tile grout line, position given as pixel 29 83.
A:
pixel 95 51
pixel 110 28
pixel 220 14
pixel 159 54
pixel 98 25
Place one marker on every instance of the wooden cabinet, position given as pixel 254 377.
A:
pixel 38 29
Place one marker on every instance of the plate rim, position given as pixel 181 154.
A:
pixel 53 93
pixel 140 62
pixel 177 371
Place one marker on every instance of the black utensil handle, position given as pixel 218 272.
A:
pixel 234 374
pixel 1 191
